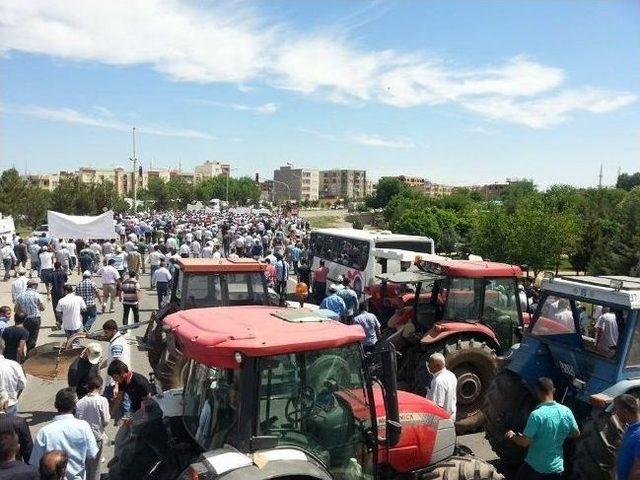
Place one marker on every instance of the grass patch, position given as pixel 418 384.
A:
pixel 325 221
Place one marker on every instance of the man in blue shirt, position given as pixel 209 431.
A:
pixel 68 434
pixel 547 428
pixel 627 409
pixel 333 302
pixel 350 298
pixel 371 326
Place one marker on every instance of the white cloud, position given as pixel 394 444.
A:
pixel 375 141
pixel 235 44
pixel 75 117
pixel 263 109
pixel 362 139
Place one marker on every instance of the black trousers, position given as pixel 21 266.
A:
pixel 528 473
pixel 32 325
pixel 125 315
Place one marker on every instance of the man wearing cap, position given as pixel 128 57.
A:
pixel 84 367
pixel 547 428
pixel 19 285
pixel 30 304
pixel 333 302
pixel 88 291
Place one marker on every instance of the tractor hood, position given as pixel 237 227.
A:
pixel 428 433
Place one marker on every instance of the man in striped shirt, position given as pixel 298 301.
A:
pixel 130 297
pixel 89 292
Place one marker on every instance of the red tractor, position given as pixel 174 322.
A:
pixel 276 393
pixel 467 310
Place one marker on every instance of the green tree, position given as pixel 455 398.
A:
pixel 12 192
pixel 518 192
pixel 628 181
pixel 419 222
pixel 387 188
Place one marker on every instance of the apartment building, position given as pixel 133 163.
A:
pixel 296 184
pixel 210 169
pixel 344 184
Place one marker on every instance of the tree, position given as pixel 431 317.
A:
pixel 418 222
pixel 242 191
pixel 12 192
pixel 517 193
pixel 628 181
pixel 387 188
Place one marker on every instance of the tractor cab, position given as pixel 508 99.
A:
pixel 467 310
pixel 282 393
pixel 585 330
pixel 585 336
pixel 198 283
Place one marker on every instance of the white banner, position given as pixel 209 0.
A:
pixel 7 227
pixel 71 226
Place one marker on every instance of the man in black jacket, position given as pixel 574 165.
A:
pixel 17 425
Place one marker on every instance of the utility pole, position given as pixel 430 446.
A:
pixel 135 172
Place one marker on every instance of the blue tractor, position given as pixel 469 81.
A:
pixel 585 336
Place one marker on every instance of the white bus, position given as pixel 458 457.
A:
pixel 352 253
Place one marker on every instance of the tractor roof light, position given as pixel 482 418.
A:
pixel 616 284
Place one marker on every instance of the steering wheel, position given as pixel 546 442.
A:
pixel 326 368
pixel 296 407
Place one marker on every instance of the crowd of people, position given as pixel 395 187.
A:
pixel 103 385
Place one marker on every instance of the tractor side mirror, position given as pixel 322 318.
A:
pixel 390 386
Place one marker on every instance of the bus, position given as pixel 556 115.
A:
pixel 352 253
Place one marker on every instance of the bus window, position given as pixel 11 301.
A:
pixel 349 252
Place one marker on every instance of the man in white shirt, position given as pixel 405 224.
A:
pixel 564 315
pixel 110 278
pixel 444 385
pixel 607 332
pixel 154 259
pixel 19 285
pixel 161 278
pixel 12 380
pixel 71 307
pixel 46 269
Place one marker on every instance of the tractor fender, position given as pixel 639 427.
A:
pixel 230 464
pixel 442 330
pixel 606 396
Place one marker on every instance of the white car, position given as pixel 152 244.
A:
pixel 44 228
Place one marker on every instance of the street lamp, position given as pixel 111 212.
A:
pixel 273 191
pixel 229 173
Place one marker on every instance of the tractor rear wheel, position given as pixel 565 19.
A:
pixel 463 468
pixel 171 369
pixel 595 450
pixel 506 406
pixel 474 364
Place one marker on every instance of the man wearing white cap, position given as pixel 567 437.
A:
pixel 86 366
pixel 19 285
pixel 333 302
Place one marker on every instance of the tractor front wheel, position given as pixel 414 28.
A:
pixel 463 468
pixel 474 364
pixel 506 406
pixel 595 450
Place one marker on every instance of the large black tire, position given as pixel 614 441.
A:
pixel 474 364
pixel 171 369
pixel 507 404
pixel 463 468
pixel 595 450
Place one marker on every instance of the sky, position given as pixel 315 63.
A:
pixel 457 92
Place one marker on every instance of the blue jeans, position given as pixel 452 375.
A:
pixel 12 410
pixel 162 288
pixel 88 317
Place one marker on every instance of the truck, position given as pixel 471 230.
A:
pixel 564 342
pixel 275 393
pixel 467 310
pixel 197 283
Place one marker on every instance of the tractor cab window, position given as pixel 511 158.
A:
pixel 599 326
pixel 317 401
pixel 501 308
pixel 633 357
pixel 201 291
pixel 245 288
pixel 210 404
pixel 555 317
pixel 463 299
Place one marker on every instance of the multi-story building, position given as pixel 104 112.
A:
pixel 296 184
pixel 425 186
pixel 344 184
pixel 210 169
pixel 492 191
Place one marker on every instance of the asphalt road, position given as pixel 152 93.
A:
pixel 36 402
